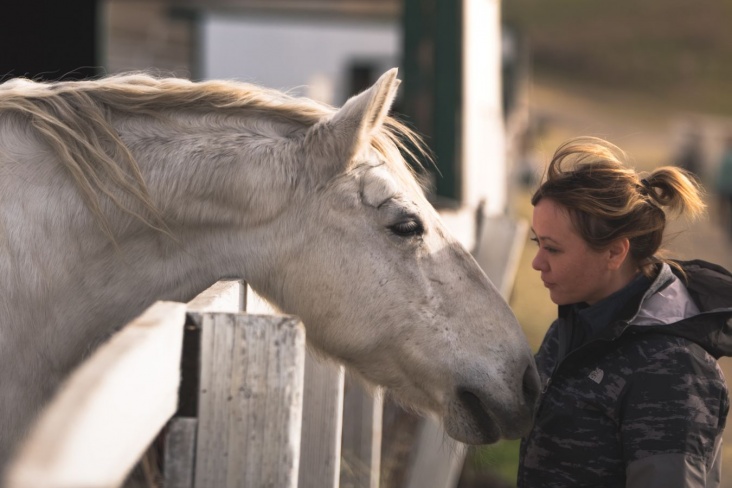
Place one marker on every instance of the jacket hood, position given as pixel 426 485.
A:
pixel 695 304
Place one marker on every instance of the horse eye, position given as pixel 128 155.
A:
pixel 408 228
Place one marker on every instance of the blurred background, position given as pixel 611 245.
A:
pixel 494 86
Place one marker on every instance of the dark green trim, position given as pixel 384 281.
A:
pixel 432 84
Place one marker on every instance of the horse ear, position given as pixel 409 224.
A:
pixel 350 129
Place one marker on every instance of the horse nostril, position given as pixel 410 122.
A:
pixel 480 415
pixel 471 402
pixel 531 386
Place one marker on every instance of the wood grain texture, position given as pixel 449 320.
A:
pixel 362 435
pixel 222 296
pixel 322 422
pixel 320 445
pixel 250 401
pixel 180 452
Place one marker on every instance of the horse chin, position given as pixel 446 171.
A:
pixel 472 421
pixel 489 435
pixel 476 431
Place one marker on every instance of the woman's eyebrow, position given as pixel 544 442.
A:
pixel 544 238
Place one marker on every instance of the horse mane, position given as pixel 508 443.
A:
pixel 75 119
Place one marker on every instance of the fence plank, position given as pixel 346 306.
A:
pixel 222 296
pixel 180 452
pixel 498 251
pixel 250 401
pixel 256 304
pixel 362 429
pixel 83 438
pixel 320 446
pixel 439 460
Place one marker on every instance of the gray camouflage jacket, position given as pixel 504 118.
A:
pixel 641 401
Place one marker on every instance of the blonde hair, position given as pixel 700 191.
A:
pixel 607 200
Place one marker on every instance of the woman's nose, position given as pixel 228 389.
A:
pixel 537 263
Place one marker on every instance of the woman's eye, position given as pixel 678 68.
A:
pixel 548 249
pixel 408 228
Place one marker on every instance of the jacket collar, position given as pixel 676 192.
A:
pixel 705 287
pixel 665 302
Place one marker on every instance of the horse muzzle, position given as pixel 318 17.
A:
pixel 478 416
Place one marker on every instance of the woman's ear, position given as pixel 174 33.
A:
pixel 618 252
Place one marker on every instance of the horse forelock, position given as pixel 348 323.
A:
pixel 74 119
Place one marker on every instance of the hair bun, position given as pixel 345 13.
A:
pixel 645 186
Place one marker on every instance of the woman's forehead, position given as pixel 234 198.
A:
pixel 552 223
pixel 548 215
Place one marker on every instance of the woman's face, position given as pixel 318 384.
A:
pixel 570 269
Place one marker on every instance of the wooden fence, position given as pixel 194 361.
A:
pixel 240 400
pixel 247 383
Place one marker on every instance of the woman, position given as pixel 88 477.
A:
pixel 633 395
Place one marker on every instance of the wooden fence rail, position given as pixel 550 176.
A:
pixel 109 410
pixel 238 423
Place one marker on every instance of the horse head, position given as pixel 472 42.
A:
pixel 382 286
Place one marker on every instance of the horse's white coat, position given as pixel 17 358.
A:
pixel 308 213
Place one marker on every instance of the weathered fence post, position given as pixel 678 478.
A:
pixel 320 444
pixel 250 401
pixel 222 296
pixel 180 440
pixel 322 422
pixel 180 452
pixel 362 429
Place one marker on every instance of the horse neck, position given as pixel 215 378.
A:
pixel 223 183
pixel 205 170
pixel 222 192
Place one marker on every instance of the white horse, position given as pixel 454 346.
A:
pixel 118 192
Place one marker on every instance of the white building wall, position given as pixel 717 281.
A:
pixel 311 57
pixel 294 54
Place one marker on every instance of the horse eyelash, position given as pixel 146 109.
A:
pixel 417 231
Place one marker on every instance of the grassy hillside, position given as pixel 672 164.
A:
pixel 675 50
